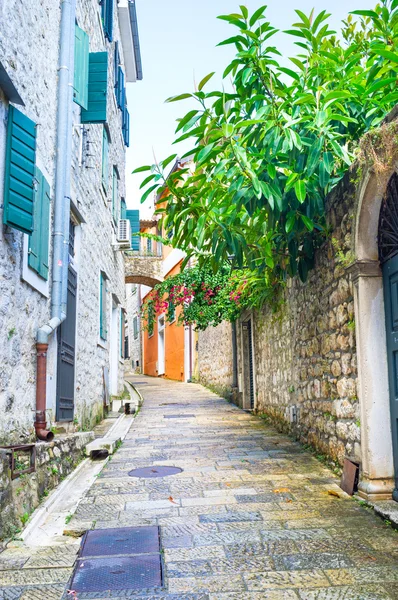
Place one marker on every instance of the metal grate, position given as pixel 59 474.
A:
pixel 388 222
pixel 152 472
pixel 126 540
pixel 125 573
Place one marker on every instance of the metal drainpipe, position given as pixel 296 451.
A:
pixel 61 208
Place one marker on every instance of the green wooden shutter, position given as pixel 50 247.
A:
pixel 39 239
pixel 103 331
pixel 115 196
pixel 121 92
pixel 107 18
pixel 126 126
pixel 80 85
pixel 134 217
pixel 97 88
pixel 19 179
pixel 105 160
pixel 123 209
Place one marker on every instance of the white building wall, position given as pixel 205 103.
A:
pixel 29 45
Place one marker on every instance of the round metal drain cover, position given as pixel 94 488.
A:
pixel 150 472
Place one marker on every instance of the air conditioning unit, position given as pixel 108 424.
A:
pixel 124 233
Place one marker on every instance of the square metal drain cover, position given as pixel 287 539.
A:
pixel 123 573
pixel 126 540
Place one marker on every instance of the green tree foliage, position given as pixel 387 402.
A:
pixel 267 153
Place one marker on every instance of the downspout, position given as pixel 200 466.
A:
pixel 61 209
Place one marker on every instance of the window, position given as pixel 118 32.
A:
pixel 97 89
pixel 134 217
pixel 105 160
pixel 72 231
pixel 135 327
pixel 80 82
pixel 126 125
pixel 19 177
pixel 107 18
pixel 39 238
pixel 122 333
pixel 151 319
pixel 115 195
pixel 103 323
pixel 171 312
pixel 123 209
pixel 149 245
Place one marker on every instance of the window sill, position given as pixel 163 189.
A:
pixel 102 343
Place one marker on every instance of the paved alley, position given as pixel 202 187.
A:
pixel 250 517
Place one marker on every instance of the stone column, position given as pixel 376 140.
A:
pixel 377 477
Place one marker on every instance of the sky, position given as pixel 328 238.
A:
pixel 178 41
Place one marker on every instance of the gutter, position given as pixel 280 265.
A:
pixel 136 39
pixel 61 211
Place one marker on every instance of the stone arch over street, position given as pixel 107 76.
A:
pixel 144 270
pixel 376 439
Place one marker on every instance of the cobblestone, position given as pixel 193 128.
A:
pixel 249 518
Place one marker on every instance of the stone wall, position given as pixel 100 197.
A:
pixel 304 354
pixel 20 496
pixel 215 358
pixel 25 301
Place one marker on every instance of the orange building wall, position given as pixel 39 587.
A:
pixel 174 345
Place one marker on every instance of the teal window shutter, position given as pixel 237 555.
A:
pixel 80 85
pixel 97 88
pixel 134 217
pixel 123 209
pixel 107 18
pixel 105 160
pixel 19 178
pixel 121 92
pixel 122 333
pixel 39 239
pixel 115 195
pixel 126 126
pixel 103 331
pixel 135 327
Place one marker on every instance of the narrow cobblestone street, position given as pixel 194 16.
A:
pixel 252 516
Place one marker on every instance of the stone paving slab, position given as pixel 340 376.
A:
pixel 249 518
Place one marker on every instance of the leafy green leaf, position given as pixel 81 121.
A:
pixel 142 169
pixel 148 192
pixel 177 98
pixel 300 191
pixel 205 80
pixel 168 160
pixel 307 222
pixel 257 15
pixel 204 153
pixel 147 180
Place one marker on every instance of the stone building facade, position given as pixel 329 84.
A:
pixel 322 366
pixel 29 83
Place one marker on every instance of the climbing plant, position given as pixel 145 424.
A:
pixel 266 153
pixel 204 298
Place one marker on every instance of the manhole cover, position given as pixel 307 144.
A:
pixel 123 573
pixel 151 472
pixel 178 416
pixel 126 540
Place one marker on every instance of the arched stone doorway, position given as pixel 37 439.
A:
pixel 377 482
